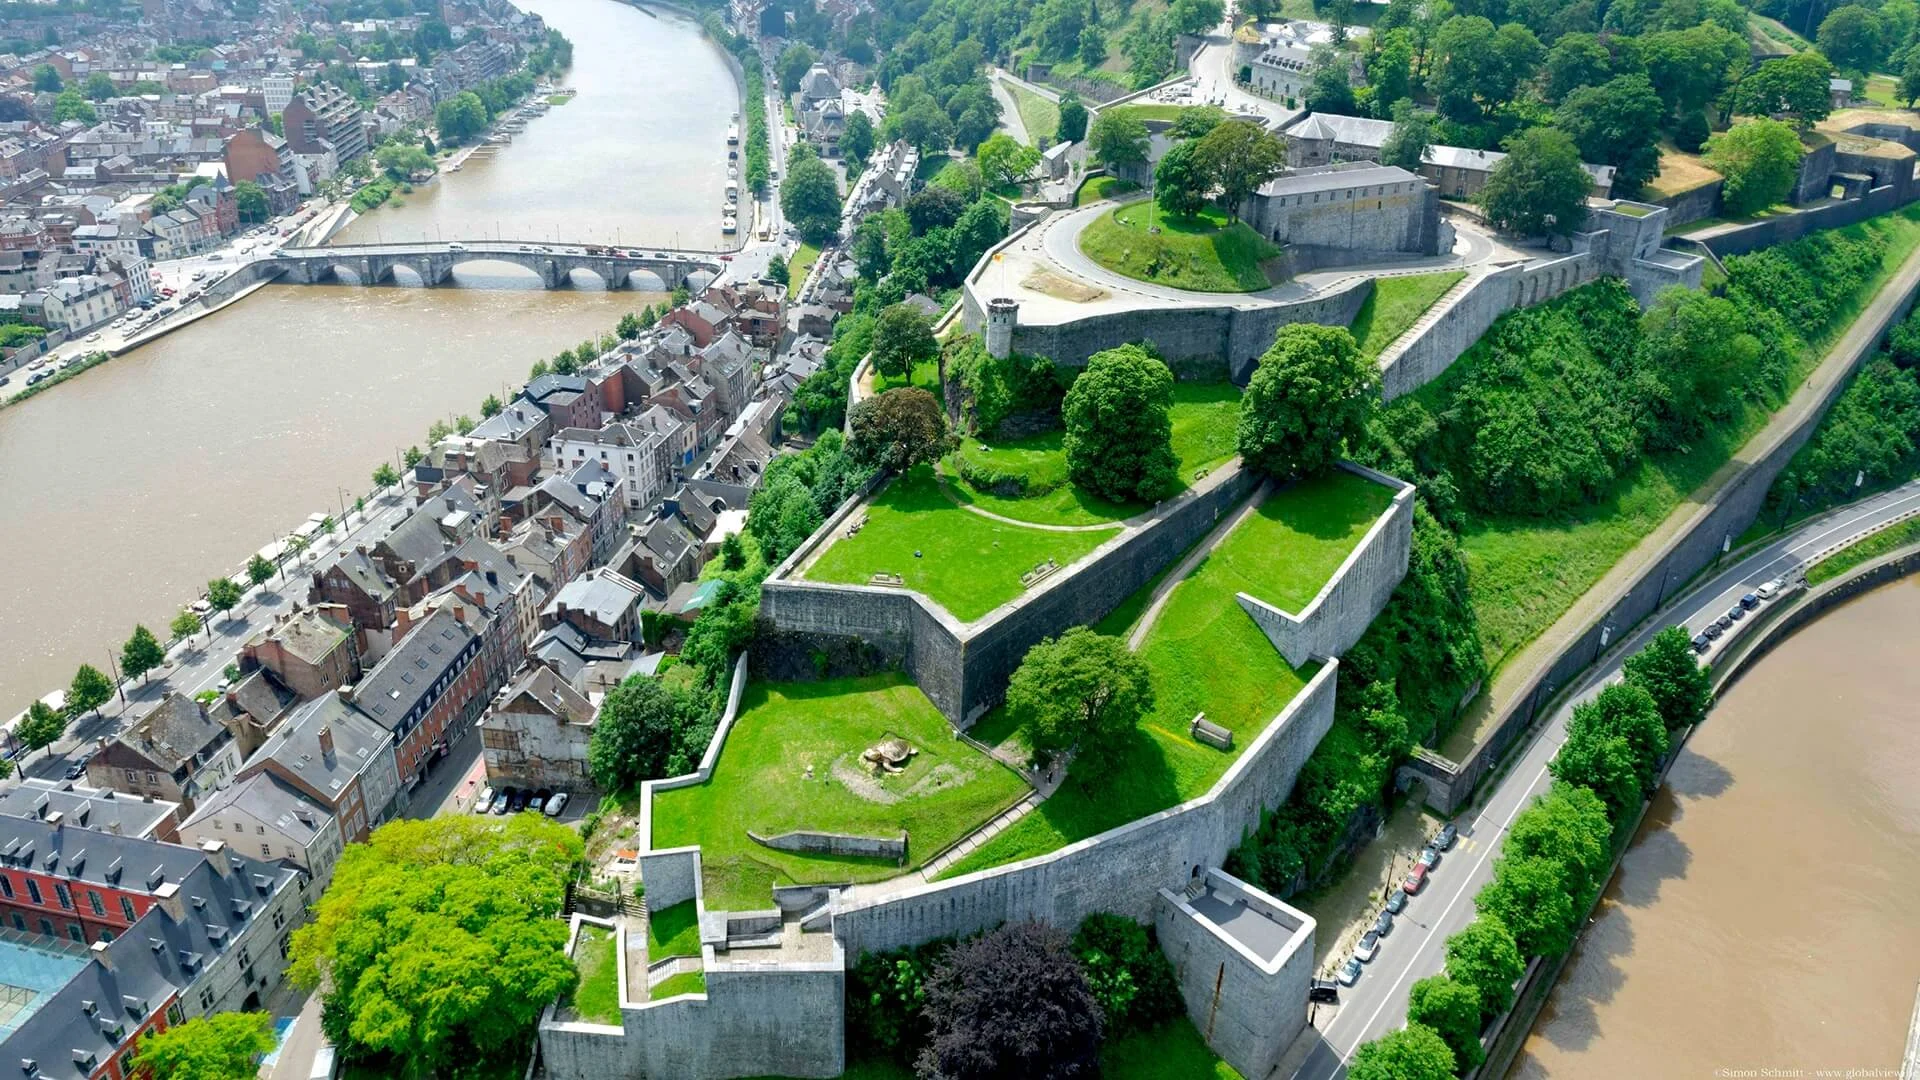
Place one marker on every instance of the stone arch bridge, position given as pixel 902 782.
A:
pixel 434 262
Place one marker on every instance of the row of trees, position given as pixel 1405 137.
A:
pixel 1553 863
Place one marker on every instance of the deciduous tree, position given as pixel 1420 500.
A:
pixel 1670 673
pixel 1012 1002
pixel 902 338
pixel 856 142
pixel 1073 120
pixel 1239 156
pixel 1312 392
pixel 1484 956
pixel 1414 1052
pixel 1118 138
pixel 810 198
pixel 222 594
pixel 89 690
pixel 1406 145
pixel 1850 35
pixel 1569 827
pixel 1760 159
pixel 1531 896
pixel 1005 160
pixel 1452 1009
pixel 219 1046
pixel 1617 124
pixel 898 429
pixel 1795 87
pixel 41 727
pixel 1179 187
pixel 185 624
pixel 141 654
pixel 641 729
pixel 1539 188
pixel 1081 693
pixel 259 570
pixel 1119 427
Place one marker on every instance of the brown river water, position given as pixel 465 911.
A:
pixel 1764 918
pixel 123 491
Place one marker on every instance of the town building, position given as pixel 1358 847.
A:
pixel 102 809
pixel 267 818
pixel 1335 213
pixel 175 752
pixel 537 732
pixel 322 118
pixel 338 758
pixel 427 692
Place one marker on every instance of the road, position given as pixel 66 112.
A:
pixel 1415 949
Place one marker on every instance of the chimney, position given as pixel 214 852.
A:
pixel 346 693
pixel 326 743
pixel 215 851
pixel 103 954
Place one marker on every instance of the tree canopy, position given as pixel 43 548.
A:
pixel 1539 188
pixel 1118 138
pixel 1452 1010
pixel 646 729
pixel 902 337
pixel 141 654
pixel 1414 1052
pixel 1793 86
pixel 1011 1002
pixel 1760 159
pixel 1239 156
pixel 1617 124
pixel 89 690
pixel 1672 676
pixel 898 429
pixel 219 1046
pixel 41 727
pixel 1484 956
pixel 1119 426
pixel 1082 693
pixel 1311 392
pixel 810 198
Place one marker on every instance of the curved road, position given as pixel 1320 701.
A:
pixel 1415 949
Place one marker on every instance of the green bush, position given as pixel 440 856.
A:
pixel 997 387
pixel 886 993
pixel 1129 974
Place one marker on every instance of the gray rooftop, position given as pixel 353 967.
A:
pixel 357 743
pixel 1307 181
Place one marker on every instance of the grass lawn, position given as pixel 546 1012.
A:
pixel 1174 1051
pixel 597 998
pixel 1679 172
pixel 968 564
pixel 1206 417
pixel 1871 548
pixel 1282 554
pixel 925 375
pixel 1158 110
pixel 761 783
pixel 1526 572
pixel 686 982
pixel 1038 115
pixel 1883 90
pixel 800 262
pixel 1396 303
pixel 673 931
pixel 1205 253
pixel 1095 188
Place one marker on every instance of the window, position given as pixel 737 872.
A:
pixel 216 824
pixel 262 828
pixel 206 1000
pixel 76 933
pixel 46 927
pixel 33 891
pixel 266 851
pixel 6 888
pixel 126 908
pixel 19 922
pixel 174 1015
pixel 106 936
pixel 65 897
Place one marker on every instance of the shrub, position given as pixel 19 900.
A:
pixel 1130 976
pixel 1011 1002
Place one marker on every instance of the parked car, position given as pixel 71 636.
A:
pixel 556 805
pixel 503 800
pixel 1446 836
pixel 1723 622
pixel 1324 992
pixel 77 770
pixel 1701 643
pixel 519 801
pixel 37 376
pixel 539 801
pixel 1368 947
pixel 1736 613
pixel 1349 973
pixel 1430 856
pixel 1397 902
pixel 1416 880
pixel 1768 590
pixel 1383 923
pixel 483 802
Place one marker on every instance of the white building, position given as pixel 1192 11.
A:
pixel 74 304
pixel 639 457
pixel 278 90
pixel 264 817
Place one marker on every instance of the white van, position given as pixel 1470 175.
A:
pixel 323 1066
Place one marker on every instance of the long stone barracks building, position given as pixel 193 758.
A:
pixel 765 993
pixel 1349 212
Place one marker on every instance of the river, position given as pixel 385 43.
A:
pixel 1763 918
pixel 123 491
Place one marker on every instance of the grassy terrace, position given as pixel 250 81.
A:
pixel 1863 551
pixel 966 563
pixel 1206 416
pixel 597 998
pixel 686 982
pixel 1204 253
pixel 1095 188
pixel 761 783
pixel 1038 115
pixel 1396 304
pixel 673 931
pixel 1283 554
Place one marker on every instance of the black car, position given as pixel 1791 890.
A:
pixel 1396 902
pixel 1714 630
pixel 1383 923
pixel 1750 601
pixel 519 801
pixel 77 770
pixel 1701 642
pixel 1446 836
pixel 1736 613
pixel 1723 622
pixel 1324 992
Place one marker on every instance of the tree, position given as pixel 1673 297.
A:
pixel 1004 160
pixel 219 1046
pixel 46 80
pixel 1195 16
pixel 1617 124
pixel 1081 693
pixel 1452 1010
pixel 223 594
pixel 1760 159
pixel 1414 1052
pixel 1390 71
pixel 1073 120
pixel 1239 156
pixel 1463 70
pixel 1569 827
pixel 1910 78
pixel 460 118
pixel 185 624
pixel 1681 689
pixel 41 727
pixel 1406 145
pixel 1539 188
pixel 1627 711
pixel 902 338
pixel 70 105
pixel 1795 87
pixel 897 430
pixel 99 87
pixel 89 690
pixel 1484 957
pixel 1194 121
pixel 141 654
pixel 465 906
pixel 1850 36
pixel 778 272
pixel 795 60
pixel 1601 763
pixel 251 200
pixel 1179 186
pixel 924 124
pixel 1128 974
pixel 856 141
pixel 1328 90
pixel 627 328
pixel 1011 1002
pixel 1118 138
pixel 384 476
pixel 1530 895
pixel 1311 392
pixel 810 197
pixel 1690 69
pixel 1119 428
pixel 641 724
pixel 1576 60
pixel 259 570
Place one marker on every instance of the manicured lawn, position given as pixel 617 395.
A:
pixel 1158 110
pixel 800 262
pixel 1038 115
pixel 1526 572
pixel 673 931
pixel 1095 188
pixel 1205 253
pixel 686 982
pixel 1282 554
pixel 1396 304
pixel 925 375
pixel 966 563
pixel 1205 415
pixel 762 784
pixel 597 998
pixel 1174 1051
pixel 1867 550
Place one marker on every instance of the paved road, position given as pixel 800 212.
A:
pixel 1415 949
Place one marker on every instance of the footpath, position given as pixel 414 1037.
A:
pixel 1517 678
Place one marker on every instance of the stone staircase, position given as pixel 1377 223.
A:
pixel 1427 318
pixel 979 836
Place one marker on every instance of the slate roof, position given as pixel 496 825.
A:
pixel 177 732
pixel 404 678
pixel 103 810
pixel 358 743
pixel 268 798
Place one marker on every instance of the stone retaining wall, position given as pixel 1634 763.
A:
pixel 1789 227
pixel 1424 358
pixel 893 848
pixel 1117 870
